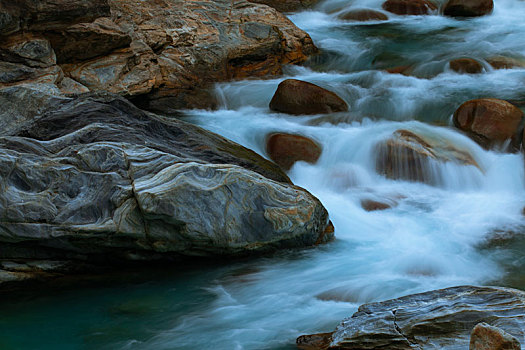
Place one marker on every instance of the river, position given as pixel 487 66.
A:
pixel 453 231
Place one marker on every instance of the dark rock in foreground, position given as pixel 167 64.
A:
pixel 300 97
pixel 94 178
pixel 439 319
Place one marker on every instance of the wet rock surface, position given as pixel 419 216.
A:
pixel 466 65
pixel 468 8
pixel 286 149
pixel 300 97
pixel 439 319
pixel 409 7
pixel 408 155
pixel 491 122
pixel 94 178
pixel 362 15
pixel 288 5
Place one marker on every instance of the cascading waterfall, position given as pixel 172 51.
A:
pixel 447 197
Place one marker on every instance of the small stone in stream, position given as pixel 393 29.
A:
pixel 319 341
pixel 363 15
pixel 409 7
pixel 502 62
pixel 468 8
pixel 286 149
pixel 300 97
pixel 466 65
pixel 490 121
pixel 405 70
pixel 487 337
pixel 371 205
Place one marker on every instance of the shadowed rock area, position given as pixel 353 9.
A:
pixel 93 178
pixel 439 319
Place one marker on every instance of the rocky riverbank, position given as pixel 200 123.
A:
pixel 88 178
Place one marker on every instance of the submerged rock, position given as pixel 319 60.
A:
pixel 490 122
pixel 408 156
pixel 95 179
pixel 439 319
pixel 466 65
pixel 363 15
pixel 372 205
pixel 286 149
pixel 468 8
pixel 487 337
pixel 502 62
pixel 409 7
pixel 300 97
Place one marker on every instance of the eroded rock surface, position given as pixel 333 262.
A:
pixel 161 53
pixel 439 319
pixel 94 178
pixel 286 149
pixel 487 337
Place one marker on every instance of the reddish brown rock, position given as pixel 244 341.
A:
pixel 300 97
pixel 371 205
pixel 490 121
pixel 409 7
pixel 286 149
pixel 405 70
pixel 487 337
pixel 468 8
pixel 319 341
pixel 363 15
pixel 466 65
pixel 407 155
pixel 502 62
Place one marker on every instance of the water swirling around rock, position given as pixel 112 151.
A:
pixel 453 229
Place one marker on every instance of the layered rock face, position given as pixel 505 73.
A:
pixel 439 319
pixel 160 52
pixel 94 178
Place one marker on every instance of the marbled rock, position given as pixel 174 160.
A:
pixel 300 97
pixel 487 337
pixel 410 156
pixel 363 15
pixel 468 8
pixel 94 178
pixel 490 122
pixel 439 319
pixel 409 7
pixel 286 149
pixel 466 65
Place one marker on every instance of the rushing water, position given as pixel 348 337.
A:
pixel 453 232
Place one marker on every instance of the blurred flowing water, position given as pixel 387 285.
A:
pixel 466 227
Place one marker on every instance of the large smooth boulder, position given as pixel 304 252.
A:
pixel 363 15
pixel 286 149
pixel 408 155
pixel 466 65
pixel 490 122
pixel 468 8
pixel 409 7
pixel 487 337
pixel 93 179
pixel 439 319
pixel 300 97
